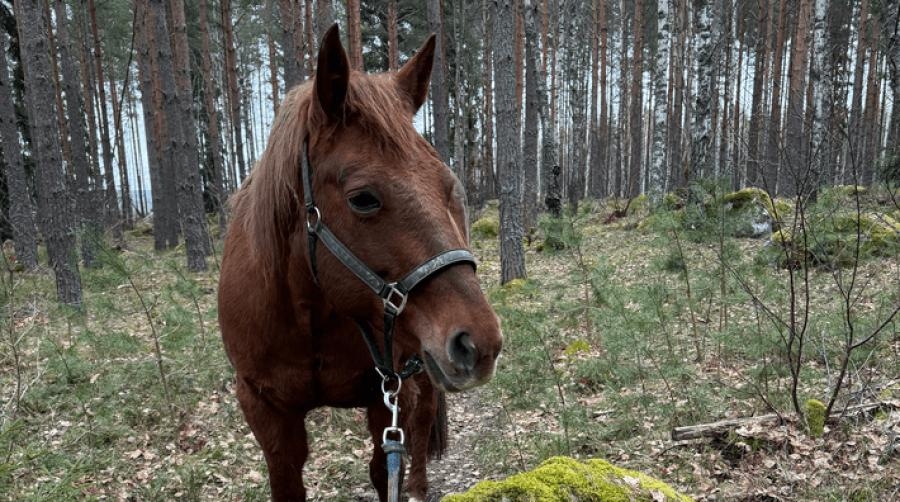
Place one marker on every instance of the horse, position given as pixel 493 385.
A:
pixel 345 168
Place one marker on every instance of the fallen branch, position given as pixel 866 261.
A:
pixel 722 427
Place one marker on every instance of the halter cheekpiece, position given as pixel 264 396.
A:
pixel 393 296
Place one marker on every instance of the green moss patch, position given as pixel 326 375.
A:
pixel 567 479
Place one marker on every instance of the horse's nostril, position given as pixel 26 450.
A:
pixel 463 353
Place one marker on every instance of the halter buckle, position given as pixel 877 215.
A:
pixel 313 219
pixel 394 299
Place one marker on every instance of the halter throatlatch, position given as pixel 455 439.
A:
pixel 393 297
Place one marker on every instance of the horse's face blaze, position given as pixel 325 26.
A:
pixel 395 204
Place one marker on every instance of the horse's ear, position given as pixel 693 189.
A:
pixel 332 74
pixel 415 75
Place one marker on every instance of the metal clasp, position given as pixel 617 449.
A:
pixel 313 223
pixel 394 300
pixel 391 398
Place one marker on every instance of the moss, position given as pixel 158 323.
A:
pixel 486 227
pixel 567 479
pixel 577 347
pixel 815 417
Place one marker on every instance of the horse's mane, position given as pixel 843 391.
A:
pixel 267 206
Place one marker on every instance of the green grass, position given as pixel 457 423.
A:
pixel 604 352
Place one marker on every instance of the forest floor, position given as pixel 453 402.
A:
pixel 632 329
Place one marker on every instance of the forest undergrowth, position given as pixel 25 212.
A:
pixel 623 330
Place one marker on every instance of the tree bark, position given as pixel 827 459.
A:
pixel 701 130
pixel 89 221
pixel 21 210
pixel 215 140
pixel 893 62
pixel 354 35
pixel 770 180
pixel 324 17
pixel 512 254
pixel 112 203
pixel 795 178
pixel 234 98
pixel 487 75
pixel 677 173
pixel 637 103
pixel 657 166
pixel 754 150
pixel 852 167
pixel 270 50
pixel 55 223
pixel 293 54
pixel 190 189
pixel 439 96
pixel 871 133
pixel 393 43
pixel 530 146
pixel 119 135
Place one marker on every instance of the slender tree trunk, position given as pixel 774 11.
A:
pixel 795 176
pixel 270 48
pixel 88 89
pixel 310 35
pixel 112 203
pixel 487 75
pixel 190 190
pixel 512 254
pixel 439 96
pixel 771 170
pixel 726 17
pixel 657 166
pixel 853 167
pixel 622 151
pixel 530 146
pixel 893 57
pixel 871 132
pixel 21 211
pixel 519 37
pixel 701 130
pixel 354 35
pixel 754 172
pixel 234 99
pixel 393 43
pixel 677 173
pixel 119 134
pixel 215 140
pixel 593 129
pixel 54 220
pixel 293 55
pixel 57 87
pixel 324 17
pixel 90 223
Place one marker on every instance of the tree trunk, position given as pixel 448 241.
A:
pixel 57 87
pixel 112 203
pixel 754 157
pixel 215 140
pixel 324 17
pixel 354 35
pixel 487 75
pixel 677 173
pixel 794 175
pixel 54 220
pixel 599 165
pixel 658 161
pixel 293 55
pixel 512 254
pixel 177 103
pixel 88 90
pixel 737 168
pixel 619 188
pixel 771 169
pixel 393 43
pixel 530 146
pixel 893 57
pixel 270 50
pixel 234 98
pixel 852 167
pixel 871 133
pixel 701 130
pixel 119 134
pixel 21 212
pixel 159 162
pixel 637 103
pixel 439 96
pixel 89 222
pixel 310 35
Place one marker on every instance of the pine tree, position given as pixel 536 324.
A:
pixel 54 218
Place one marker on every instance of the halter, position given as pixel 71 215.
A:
pixel 393 296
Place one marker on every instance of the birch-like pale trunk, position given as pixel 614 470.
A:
pixel 701 130
pixel 658 156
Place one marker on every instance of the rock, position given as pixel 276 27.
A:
pixel 565 479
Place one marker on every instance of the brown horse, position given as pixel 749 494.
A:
pixel 289 311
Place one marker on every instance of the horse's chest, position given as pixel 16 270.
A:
pixel 342 371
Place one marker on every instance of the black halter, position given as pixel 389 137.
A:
pixel 393 294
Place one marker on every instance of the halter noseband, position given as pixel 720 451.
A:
pixel 393 294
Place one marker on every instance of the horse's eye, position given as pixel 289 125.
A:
pixel 364 202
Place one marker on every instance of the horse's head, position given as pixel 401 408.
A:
pixel 385 193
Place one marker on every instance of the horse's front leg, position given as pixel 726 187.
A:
pixel 282 436
pixel 419 420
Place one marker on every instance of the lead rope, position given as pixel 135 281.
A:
pixel 393 439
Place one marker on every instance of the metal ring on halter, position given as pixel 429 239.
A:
pixel 387 377
pixel 310 226
pixel 396 430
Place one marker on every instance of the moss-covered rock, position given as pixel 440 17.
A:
pixel 815 417
pixel 567 480
pixel 486 227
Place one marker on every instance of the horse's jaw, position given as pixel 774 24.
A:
pixel 449 383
